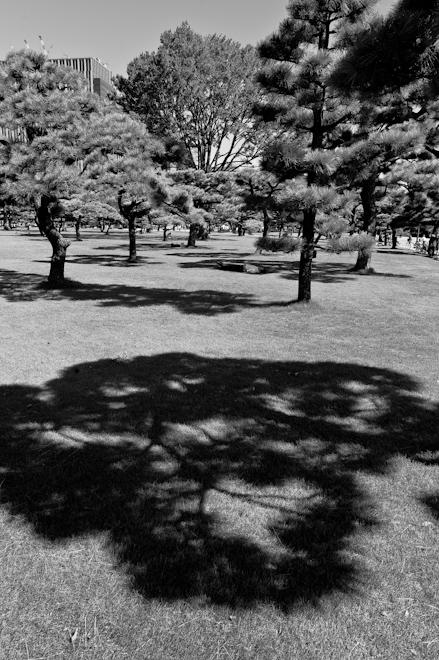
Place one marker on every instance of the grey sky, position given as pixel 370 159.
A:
pixel 116 31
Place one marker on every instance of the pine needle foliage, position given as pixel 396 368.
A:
pixel 45 108
pixel 305 111
pixel 394 51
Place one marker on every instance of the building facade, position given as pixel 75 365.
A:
pixel 97 75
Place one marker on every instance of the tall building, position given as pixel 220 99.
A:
pixel 97 75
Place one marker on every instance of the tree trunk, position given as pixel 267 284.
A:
pixel 78 229
pixel 193 234
pixel 432 246
pixel 6 221
pixel 306 256
pixel 364 255
pixel 394 239
pixel 132 240
pixel 266 228
pixel 203 233
pixel 433 242
pixel 58 243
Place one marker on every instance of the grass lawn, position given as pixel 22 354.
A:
pixel 191 469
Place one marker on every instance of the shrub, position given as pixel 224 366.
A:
pixel 272 244
pixel 361 241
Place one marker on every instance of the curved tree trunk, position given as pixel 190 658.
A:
pixel 58 243
pixel 78 229
pixel 364 256
pixel 6 221
pixel 193 234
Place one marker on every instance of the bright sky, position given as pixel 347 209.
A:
pixel 116 31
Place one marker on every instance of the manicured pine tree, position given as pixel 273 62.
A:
pixel 84 209
pixel 385 132
pixel 392 69
pixel 68 142
pixel 46 108
pixel 258 191
pixel 413 187
pixel 119 164
pixel 309 115
pixel 210 194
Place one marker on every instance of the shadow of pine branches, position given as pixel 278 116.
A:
pixel 230 480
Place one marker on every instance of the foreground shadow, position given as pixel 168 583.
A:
pixel 432 503
pixel 20 287
pixel 337 273
pixel 232 481
pixel 327 273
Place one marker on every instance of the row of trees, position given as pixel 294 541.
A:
pixel 311 130
pixel 341 107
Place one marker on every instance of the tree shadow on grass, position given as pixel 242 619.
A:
pixel 322 272
pixel 19 287
pixel 337 273
pixel 111 260
pixel 432 503
pixel 230 481
pixel 270 265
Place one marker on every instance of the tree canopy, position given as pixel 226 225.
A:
pixel 67 142
pixel 199 90
pixel 46 108
pixel 394 51
pixel 310 118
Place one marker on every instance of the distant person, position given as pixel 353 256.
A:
pixel 409 242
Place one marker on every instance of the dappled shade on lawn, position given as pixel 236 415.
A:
pixel 230 480
pixel 19 287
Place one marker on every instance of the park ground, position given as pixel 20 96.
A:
pixel 191 468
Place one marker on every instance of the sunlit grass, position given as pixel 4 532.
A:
pixel 190 468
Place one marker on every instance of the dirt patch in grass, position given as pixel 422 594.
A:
pixel 190 468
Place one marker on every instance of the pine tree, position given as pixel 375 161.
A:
pixel 85 209
pixel 308 114
pixel 211 193
pixel 393 51
pixel 383 134
pixel 46 107
pixel 392 68
pixel 121 165
pixel 68 142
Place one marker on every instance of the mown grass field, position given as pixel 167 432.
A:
pixel 189 468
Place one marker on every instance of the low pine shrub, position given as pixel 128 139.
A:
pixel 272 244
pixel 361 241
